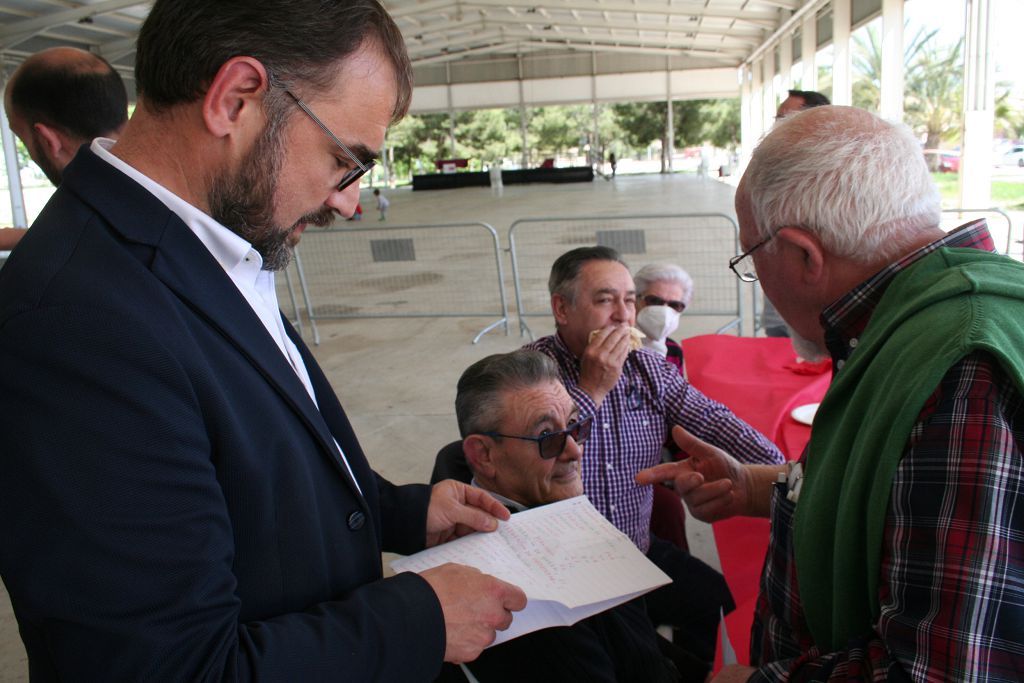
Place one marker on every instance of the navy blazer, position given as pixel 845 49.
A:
pixel 172 507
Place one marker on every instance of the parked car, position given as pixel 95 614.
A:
pixel 1013 157
pixel 942 160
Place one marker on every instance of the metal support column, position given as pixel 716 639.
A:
pixel 596 151
pixel 451 109
pixel 891 106
pixel 747 136
pixel 769 105
pixel 809 52
pixel 785 65
pixel 979 107
pixel 842 83
pixel 13 174
pixel 756 101
pixel 670 129
pixel 525 163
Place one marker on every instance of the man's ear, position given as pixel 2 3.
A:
pixel 809 253
pixel 234 99
pixel 479 454
pixel 560 309
pixel 58 147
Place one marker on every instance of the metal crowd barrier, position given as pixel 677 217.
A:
pixel 701 243
pixel 953 218
pixel 412 271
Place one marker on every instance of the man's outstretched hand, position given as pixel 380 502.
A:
pixel 712 483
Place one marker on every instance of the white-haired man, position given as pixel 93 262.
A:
pixel 897 543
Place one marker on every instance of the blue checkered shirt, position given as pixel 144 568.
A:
pixel 632 424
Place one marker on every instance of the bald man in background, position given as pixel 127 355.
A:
pixel 58 100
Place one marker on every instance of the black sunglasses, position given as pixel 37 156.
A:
pixel 552 444
pixel 651 300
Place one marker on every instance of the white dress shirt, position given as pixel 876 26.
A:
pixel 236 256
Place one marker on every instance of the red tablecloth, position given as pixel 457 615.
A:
pixel 750 375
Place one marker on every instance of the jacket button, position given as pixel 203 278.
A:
pixel 356 520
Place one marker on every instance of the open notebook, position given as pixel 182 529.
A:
pixel 568 559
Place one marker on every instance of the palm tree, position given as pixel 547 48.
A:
pixel 933 83
pixel 867 64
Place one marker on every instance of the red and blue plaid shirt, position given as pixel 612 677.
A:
pixel 952 570
pixel 632 424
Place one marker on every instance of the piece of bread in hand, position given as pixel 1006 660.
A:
pixel 635 338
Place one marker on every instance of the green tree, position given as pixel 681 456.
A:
pixel 418 141
pixel 1009 114
pixel 720 122
pixel 934 93
pixel 642 123
pixel 554 130
pixel 933 83
pixel 867 64
pixel 483 137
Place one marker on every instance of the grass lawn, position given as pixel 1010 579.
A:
pixel 1006 194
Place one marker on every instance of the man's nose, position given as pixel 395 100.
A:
pixel 344 202
pixel 572 450
pixel 623 312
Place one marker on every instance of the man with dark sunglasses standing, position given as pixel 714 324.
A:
pixel 183 498
pixel 636 397
pixel 523 438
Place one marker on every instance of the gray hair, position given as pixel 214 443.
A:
pixel 478 398
pixel 857 182
pixel 566 269
pixel 663 272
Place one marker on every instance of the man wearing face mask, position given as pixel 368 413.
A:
pixel 663 291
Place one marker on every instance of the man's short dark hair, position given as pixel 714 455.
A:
pixel 478 396
pixel 811 98
pixel 183 43
pixel 85 104
pixel 566 268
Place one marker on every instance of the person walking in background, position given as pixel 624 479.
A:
pixel 613 162
pixel 382 205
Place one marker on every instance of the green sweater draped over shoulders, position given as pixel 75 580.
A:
pixel 940 309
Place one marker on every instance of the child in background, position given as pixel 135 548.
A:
pixel 382 205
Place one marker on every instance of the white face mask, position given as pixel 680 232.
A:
pixel 657 322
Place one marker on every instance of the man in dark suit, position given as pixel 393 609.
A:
pixel 183 497
pixel 523 438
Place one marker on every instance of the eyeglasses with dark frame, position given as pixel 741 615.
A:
pixel 652 300
pixel 743 265
pixel 552 444
pixel 352 175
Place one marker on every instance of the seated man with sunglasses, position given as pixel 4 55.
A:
pixel 523 438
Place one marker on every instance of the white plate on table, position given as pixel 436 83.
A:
pixel 805 414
